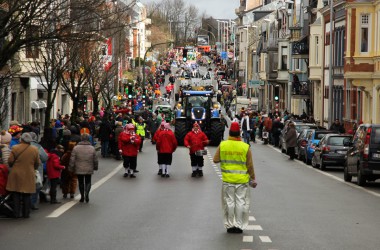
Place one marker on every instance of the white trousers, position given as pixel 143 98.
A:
pixel 235 204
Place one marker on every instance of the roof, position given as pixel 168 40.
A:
pixel 193 92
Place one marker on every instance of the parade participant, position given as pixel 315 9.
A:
pixel 196 140
pixel 238 174
pixel 140 130
pixel 129 144
pixel 166 145
pixel 155 138
pixel 15 131
pixel 21 179
pixel 83 162
pixel 54 169
pixel 154 125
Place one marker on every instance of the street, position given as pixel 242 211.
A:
pixel 293 207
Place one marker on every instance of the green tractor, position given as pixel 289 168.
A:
pixel 197 106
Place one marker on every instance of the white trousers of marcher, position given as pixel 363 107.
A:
pixel 235 204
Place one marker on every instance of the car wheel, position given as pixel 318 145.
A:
pixel 360 178
pixel 322 165
pixel 346 176
pixel 314 162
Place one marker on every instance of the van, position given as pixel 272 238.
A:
pixel 363 155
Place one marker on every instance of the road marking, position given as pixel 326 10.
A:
pixel 265 239
pixel 251 218
pixel 255 227
pixel 335 177
pixel 62 209
pixel 247 238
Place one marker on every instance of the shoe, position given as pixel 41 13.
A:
pixel 159 172
pixel 200 173
pixel 71 196
pixel 135 171
pixel 238 230
pixel 167 175
pixel 125 175
pixel 132 176
pixel 87 199
pixel 64 196
pixel 81 199
pixel 194 174
pixel 231 230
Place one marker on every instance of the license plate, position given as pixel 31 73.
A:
pixel 341 152
pixel 376 155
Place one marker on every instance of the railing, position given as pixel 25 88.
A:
pixel 301 89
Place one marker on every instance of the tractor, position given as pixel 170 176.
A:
pixel 198 106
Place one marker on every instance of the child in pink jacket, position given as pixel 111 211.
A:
pixel 54 169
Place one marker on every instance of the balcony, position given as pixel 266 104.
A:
pixel 300 49
pixel 301 90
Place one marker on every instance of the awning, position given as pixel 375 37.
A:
pixel 38 104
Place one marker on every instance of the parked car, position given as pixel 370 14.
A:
pixel 312 142
pixel 299 127
pixel 363 156
pixel 331 150
pixel 302 143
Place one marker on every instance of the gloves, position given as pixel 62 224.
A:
pixel 252 183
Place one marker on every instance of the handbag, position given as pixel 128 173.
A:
pixel 16 156
pixel 38 179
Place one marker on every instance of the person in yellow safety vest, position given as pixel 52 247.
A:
pixel 140 130
pixel 238 175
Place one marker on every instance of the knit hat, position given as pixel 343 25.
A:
pixel 234 127
pixel 5 137
pixel 13 130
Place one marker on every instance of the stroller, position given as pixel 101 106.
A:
pixel 5 197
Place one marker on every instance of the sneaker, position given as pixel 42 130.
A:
pixel 159 172
pixel 125 175
pixel 135 171
pixel 167 175
pixel 194 174
pixel 132 176
pixel 238 230
pixel 163 175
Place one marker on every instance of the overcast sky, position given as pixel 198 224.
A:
pixel 218 9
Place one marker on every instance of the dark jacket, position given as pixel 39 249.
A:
pixel 105 130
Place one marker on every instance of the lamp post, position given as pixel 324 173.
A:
pixel 330 103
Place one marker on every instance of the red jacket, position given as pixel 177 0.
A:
pixel 53 166
pixel 195 141
pixel 166 142
pixel 127 147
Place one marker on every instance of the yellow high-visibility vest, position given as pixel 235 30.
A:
pixel 140 129
pixel 233 158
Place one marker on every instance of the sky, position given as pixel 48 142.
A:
pixel 218 9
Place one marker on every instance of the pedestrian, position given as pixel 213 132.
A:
pixel 16 132
pixel 154 125
pixel 119 128
pixel 69 179
pixel 140 130
pixel 195 141
pixel 238 175
pixel 43 159
pixel 5 140
pixel 105 130
pixel 291 140
pixel 166 145
pixel 83 163
pixel 155 138
pixel 54 169
pixel 224 124
pixel 129 144
pixel 22 180
pixel 337 127
pixel 245 126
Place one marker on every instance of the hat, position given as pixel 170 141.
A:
pixel 13 130
pixel 84 131
pixel 5 137
pixel 34 136
pixel 130 126
pixel 167 125
pixel 234 127
pixel 26 137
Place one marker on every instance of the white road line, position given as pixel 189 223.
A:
pixel 255 227
pixel 62 209
pixel 247 238
pixel 251 218
pixel 336 178
pixel 265 239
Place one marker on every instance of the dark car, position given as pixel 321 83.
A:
pixel 331 150
pixel 302 143
pixel 363 156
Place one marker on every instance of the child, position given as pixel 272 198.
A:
pixel 54 169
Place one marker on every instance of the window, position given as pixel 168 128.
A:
pixel 297 64
pixel 316 50
pixel 364 35
pixel 32 50
pixel 241 37
pixel 284 58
